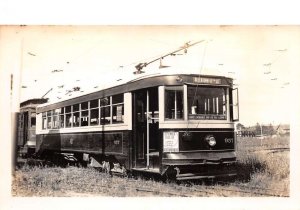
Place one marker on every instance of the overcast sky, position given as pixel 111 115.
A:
pixel 259 58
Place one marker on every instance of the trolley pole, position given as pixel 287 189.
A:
pixel 15 106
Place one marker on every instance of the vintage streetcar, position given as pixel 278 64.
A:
pixel 172 125
pixel 26 118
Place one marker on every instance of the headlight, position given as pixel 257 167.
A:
pixel 211 140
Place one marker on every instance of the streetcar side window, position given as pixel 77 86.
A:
pixel 49 119
pixel 174 103
pixel 44 120
pixel 84 114
pixel 118 108
pixel 94 106
pixel 62 118
pixel 68 116
pixel 105 110
pixel 76 114
pixel 56 113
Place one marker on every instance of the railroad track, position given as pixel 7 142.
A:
pixel 279 149
pixel 212 191
pixel 248 191
pixel 219 190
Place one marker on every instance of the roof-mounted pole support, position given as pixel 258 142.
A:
pixel 187 45
pixel 47 92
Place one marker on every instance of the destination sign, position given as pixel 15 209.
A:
pixel 207 80
pixel 206 117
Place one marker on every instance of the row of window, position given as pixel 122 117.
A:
pixel 108 110
pixel 203 103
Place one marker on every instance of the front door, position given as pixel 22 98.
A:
pixel 145 127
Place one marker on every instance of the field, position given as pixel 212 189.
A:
pixel 263 170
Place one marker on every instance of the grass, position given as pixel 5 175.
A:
pixel 259 169
pixel 73 181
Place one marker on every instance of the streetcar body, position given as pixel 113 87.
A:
pixel 179 125
pixel 26 126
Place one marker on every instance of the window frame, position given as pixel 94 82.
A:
pixel 109 106
pixel 210 104
pixel 116 105
pixel 84 110
pixel 94 108
pixel 44 120
pixel 64 117
pixel 62 112
pixel 51 121
pixel 179 89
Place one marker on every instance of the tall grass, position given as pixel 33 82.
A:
pixel 73 181
pixel 262 168
pixel 259 169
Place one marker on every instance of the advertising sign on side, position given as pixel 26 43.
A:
pixel 171 141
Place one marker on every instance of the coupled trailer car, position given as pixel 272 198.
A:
pixel 26 127
pixel 174 125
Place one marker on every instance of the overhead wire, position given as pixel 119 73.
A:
pixel 270 65
pixel 200 71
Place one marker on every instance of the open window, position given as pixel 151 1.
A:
pixel 235 104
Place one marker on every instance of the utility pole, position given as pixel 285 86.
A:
pixel 261 134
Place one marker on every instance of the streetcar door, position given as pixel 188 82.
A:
pixel 145 128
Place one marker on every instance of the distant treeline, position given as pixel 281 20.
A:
pixel 262 130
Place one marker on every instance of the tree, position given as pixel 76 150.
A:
pixel 240 126
pixel 257 129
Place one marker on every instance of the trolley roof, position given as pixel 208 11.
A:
pixel 143 81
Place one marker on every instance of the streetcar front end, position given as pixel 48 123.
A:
pixel 198 133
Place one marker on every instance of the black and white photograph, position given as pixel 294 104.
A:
pixel 149 111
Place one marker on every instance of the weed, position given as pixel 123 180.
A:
pixel 256 169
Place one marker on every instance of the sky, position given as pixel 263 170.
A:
pixel 259 58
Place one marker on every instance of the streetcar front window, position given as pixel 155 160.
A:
pixel 206 103
pixel 174 103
